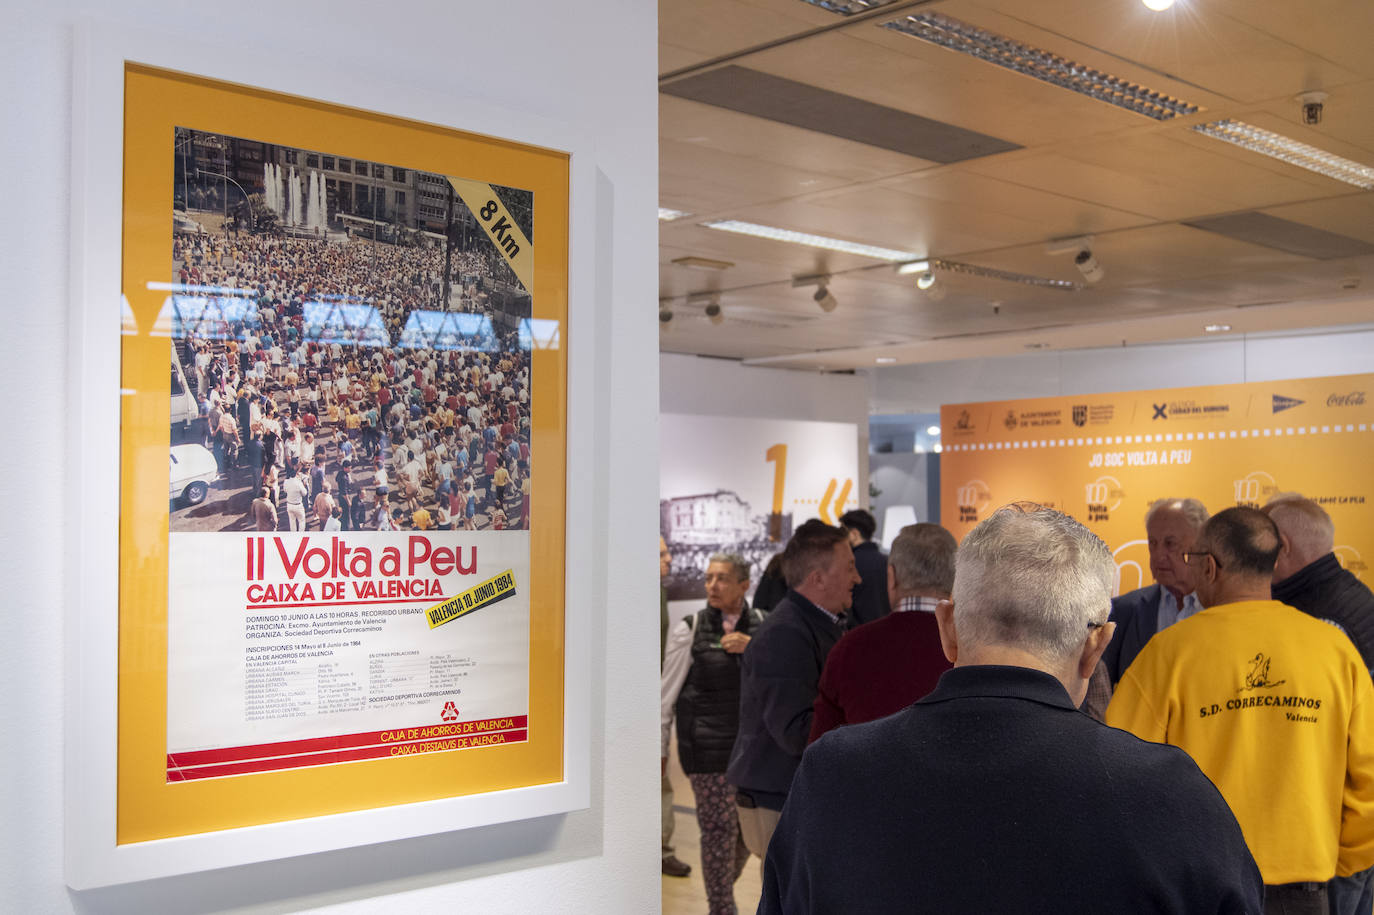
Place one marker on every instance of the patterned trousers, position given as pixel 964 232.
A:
pixel 723 854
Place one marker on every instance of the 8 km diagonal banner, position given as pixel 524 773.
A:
pixel 493 216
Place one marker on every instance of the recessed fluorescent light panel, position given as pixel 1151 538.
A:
pixel 1277 146
pixel 849 7
pixel 1042 65
pixel 813 241
pixel 702 263
pixel 667 215
pixel 992 273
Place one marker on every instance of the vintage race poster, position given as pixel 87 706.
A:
pixel 361 401
pixel 1103 458
pixel 352 387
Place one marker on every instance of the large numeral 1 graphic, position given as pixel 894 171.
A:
pixel 778 455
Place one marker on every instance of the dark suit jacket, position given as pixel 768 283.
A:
pixel 870 596
pixel 994 794
pixel 779 672
pixel 1136 614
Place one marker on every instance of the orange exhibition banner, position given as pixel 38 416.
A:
pixel 1103 458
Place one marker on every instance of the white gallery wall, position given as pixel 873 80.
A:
pixel 546 59
pixel 1226 360
pixel 703 386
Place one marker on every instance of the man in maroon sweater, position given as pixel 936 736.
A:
pixel 883 666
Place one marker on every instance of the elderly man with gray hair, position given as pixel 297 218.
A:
pixel 994 793
pixel 885 665
pixel 1308 576
pixel 1171 529
pixel 700 689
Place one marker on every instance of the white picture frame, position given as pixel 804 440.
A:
pixel 90 597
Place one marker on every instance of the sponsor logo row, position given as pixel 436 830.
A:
pixel 1081 415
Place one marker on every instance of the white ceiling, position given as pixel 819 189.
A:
pixel 1085 167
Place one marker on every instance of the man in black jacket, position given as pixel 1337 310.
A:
pixel 994 793
pixel 870 597
pixel 780 671
pixel 1307 576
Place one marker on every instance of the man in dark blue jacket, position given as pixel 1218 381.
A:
pixel 780 671
pixel 994 793
pixel 1171 528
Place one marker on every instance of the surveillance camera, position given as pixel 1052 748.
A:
pixel 1088 266
pixel 1313 103
pixel 824 299
pixel 665 314
pixel 714 314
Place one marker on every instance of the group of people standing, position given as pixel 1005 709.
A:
pixel 438 439
pixel 939 756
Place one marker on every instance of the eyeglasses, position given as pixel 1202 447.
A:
pixel 1188 556
pixel 1092 625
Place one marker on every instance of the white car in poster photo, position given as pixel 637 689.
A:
pixel 193 470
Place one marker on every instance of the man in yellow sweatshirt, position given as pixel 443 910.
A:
pixel 1275 706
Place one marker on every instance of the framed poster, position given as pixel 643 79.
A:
pixel 340 614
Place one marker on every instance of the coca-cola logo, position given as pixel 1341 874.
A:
pixel 1353 399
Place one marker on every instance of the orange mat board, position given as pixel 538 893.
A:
pixel 430 760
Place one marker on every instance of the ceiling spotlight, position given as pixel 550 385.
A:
pixel 1158 6
pixel 665 314
pixel 713 313
pixel 822 296
pixel 1088 266
pixel 824 299
pixel 885 360
pixel 1216 328
pixel 925 281
pixel 932 430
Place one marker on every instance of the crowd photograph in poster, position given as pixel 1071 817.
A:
pixel 345 337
